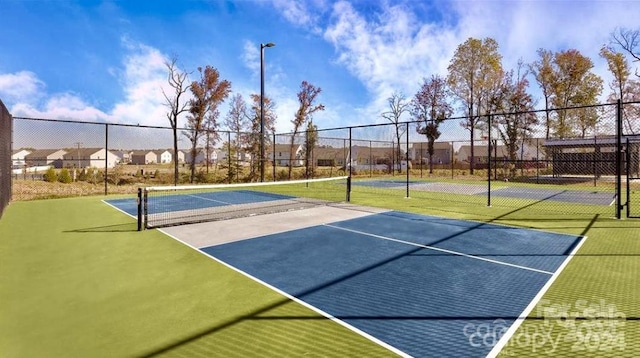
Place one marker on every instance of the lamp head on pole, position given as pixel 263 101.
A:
pixel 270 44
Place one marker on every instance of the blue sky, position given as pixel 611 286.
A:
pixel 104 60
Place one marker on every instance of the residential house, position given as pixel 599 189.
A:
pixel 18 157
pixel 326 156
pixel 200 157
pixel 370 157
pixel 90 158
pixel 44 157
pixel 528 151
pixel 282 154
pixel 442 152
pixel 163 156
pixel 180 155
pixel 124 156
pixel 142 157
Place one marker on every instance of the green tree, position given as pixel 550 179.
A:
pixel 474 71
pixel 430 106
pixel 398 105
pixel 575 85
pixel 306 98
pixel 50 175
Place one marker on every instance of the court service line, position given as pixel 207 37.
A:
pixel 214 200
pixel 441 250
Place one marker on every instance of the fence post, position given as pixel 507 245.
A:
pixel 273 162
pixel 619 159
pixel 106 157
pixel 139 209
pixel 350 154
pixel 407 160
pixel 488 163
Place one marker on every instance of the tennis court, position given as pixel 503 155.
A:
pixel 502 191
pixel 414 284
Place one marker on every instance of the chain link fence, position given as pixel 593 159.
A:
pixel 568 160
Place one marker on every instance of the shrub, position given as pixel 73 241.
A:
pixel 65 176
pixel 83 175
pixel 50 176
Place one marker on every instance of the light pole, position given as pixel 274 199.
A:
pixel 262 159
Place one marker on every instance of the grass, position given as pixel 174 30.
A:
pixel 76 279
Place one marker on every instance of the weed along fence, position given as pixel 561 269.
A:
pixel 587 166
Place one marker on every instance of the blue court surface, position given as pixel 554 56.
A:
pixel 420 284
pixel 561 195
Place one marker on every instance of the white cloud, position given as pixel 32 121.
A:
pixel 251 57
pixel 302 14
pixel 392 52
pixel 144 78
pixel 394 48
pixel 23 86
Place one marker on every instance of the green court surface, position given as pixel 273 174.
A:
pixel 76 279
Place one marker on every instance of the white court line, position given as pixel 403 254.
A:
pixel 214 200
pixel 120 210
pixel 299 301
pixel 523 316
pixel 441 250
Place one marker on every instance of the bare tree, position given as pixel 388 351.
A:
pixel 629 41
pixel 398 105
pixel 238 122
pixel 546 77
pixel 431 106
pixel 306 97
pixel 208 92
pixel 623 87
pixel 176 78
pixel 253 140
pixel 515 118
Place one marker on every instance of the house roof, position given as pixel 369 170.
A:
pixel 82 152
pixel 16 151
pixel 43 153
pixel 141 152
pixel 283 147
pixel 604 141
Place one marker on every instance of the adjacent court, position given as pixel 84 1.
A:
pixel 415 284
pixel 502 191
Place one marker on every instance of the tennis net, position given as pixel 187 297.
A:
pixel 161 206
